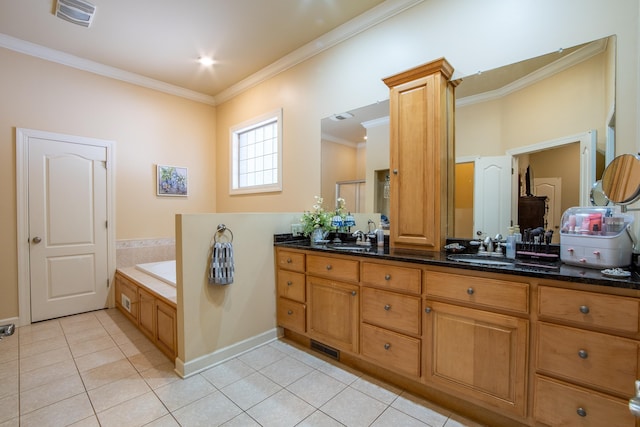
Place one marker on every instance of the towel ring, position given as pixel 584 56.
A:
pixel 220 232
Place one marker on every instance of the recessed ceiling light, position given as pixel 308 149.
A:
pixel 207 61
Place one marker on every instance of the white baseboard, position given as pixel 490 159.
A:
pixel 207 361
pixel 14 320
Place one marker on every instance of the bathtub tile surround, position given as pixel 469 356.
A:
pixel 140 251
pixel 51 376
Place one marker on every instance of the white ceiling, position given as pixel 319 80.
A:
pixel 162 39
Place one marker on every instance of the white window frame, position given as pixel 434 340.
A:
pixel 234 155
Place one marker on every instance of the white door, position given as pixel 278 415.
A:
pixel 552 188
pixel 67 220
pixel 492 195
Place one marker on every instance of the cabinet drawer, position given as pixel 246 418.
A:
pixel 291 285
pixel 590 358
pixel 291 315
pixel 392 277
pixel 480 291
pixel 392 350
pixel 559 404
pixel 291 260
pixel 391 310
pixel 346 270
pixel 589 309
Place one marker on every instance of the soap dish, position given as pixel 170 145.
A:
pixel 616 272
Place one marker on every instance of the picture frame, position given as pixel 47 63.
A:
pixel 171 181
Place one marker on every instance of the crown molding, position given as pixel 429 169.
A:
pixel 549 70
pixel 73 61
pixel 374 16
pixel 368 19
pixel 376 122
pixel 331 138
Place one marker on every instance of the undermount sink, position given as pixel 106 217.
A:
pixel 475 259
pixel 347 247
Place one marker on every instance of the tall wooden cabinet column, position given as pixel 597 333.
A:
pixel 422 155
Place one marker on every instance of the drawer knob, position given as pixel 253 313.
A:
pixel 387 277
pixel 290 312
pixel 329 267
pixel 581 412
pixel 289 261
pixel 470 291
pixel 583 354
pixel 427 310
pixel 570 250
pixel 354 293
pixel 289 283
pixel 387 346
pixel 597 253
pixel 584 309
pixel 582 260
pixel 387 307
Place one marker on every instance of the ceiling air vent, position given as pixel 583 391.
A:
pixel 76 11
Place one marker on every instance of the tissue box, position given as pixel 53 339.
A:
pixel 595 238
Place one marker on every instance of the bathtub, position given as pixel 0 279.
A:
pixel 163 270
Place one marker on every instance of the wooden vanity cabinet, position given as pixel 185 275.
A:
pixel 421 104
pixel 291 290
pixel 471 347
pixel 391 323
pixel 586 358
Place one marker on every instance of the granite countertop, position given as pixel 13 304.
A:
pixel 554 271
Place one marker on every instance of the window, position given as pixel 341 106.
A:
pixel 256 155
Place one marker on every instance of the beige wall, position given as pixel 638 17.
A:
pixel 148 127
pixel 471 35
pixel 345 161
pixel 562 162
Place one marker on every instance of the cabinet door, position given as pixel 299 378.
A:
pixel 332 313
pixel 477 354
pixel 146 320
pixel 166 329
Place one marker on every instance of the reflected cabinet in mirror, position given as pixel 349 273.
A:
pixel 550 119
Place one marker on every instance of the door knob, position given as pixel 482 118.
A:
pixel 36 240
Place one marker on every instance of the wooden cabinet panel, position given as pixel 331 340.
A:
pixel 129 304
pixel 345 270
pixel 484 292
pixel 477 354
pixel 333 313
pixel 291 315
pixel 147 320
pixel 391 350
pixel 392 277
pixel 421 155
pixel 166 329
pixel 391 310
pixel 593 359
pixel 589 309
pixel 290 260
pixel 560 404
pixel 291 285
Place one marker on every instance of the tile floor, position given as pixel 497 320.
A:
pixel 97 369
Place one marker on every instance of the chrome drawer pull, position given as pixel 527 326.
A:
pixel 584 309
pixel 583 354
pixel 427 310
pixel 289 312
pixel 354 293
pixel 387 307
pixel 387 346
pixel 328 266
pixel 470 291
pixel 289 283
pixel 581 412
pixel 387 277
pixel 289 261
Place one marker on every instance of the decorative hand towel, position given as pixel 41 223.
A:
pixel 222 268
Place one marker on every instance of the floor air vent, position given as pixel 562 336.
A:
pixel 325 349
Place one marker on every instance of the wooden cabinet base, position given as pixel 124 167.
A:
pixel 154 317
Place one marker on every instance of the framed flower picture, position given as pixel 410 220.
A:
pixel 171 181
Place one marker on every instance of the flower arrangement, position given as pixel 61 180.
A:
pixel 317 218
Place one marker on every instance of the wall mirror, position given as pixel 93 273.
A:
pixel 621 179
pixel 537 116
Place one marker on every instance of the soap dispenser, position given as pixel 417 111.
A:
pixel 380 236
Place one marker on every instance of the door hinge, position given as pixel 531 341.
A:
pixel 108 284
pixel 106 224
